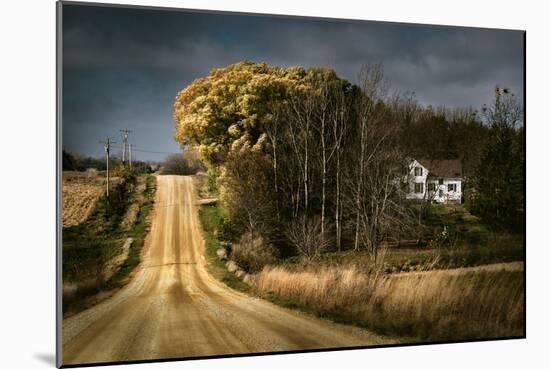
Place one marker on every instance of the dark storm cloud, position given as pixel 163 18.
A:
pixel 123 67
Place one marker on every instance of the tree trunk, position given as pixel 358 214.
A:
pixel 274 143
pixel 337 212
pixel 359 186
pixel 324 179
pixel 306 169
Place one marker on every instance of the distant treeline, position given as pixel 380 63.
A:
pixel 183 164
pixel 72 161
pixel 306 159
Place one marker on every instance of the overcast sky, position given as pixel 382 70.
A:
pixel 122 68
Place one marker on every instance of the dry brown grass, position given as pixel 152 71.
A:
pixel 253 252
pixel 434 305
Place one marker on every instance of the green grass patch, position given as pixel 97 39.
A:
pixel 469 243
pixel 211 217
pixel 138 233
pixel 461 226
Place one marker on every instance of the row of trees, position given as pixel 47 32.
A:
pixel 74 161
pixel 306 159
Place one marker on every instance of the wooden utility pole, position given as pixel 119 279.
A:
pixel 107 145
pixel 130 155
pixel 125 133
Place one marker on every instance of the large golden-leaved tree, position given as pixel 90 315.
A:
pixel 231 107
pixel 289 119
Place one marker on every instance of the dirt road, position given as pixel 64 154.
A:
pixel 174 308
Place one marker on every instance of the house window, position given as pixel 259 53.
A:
pixel 451 187
pixel 431 186
pixel 440 181
pixel 418 172
pixel 419 187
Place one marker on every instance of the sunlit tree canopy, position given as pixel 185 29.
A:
pixel 231 107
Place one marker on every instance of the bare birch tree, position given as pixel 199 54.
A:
pixel 340 114
pixel 300 115
pixel 378 170
pixel 373 90
pixel 273 133
pixel 323 92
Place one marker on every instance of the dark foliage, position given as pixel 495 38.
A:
pixel 72 161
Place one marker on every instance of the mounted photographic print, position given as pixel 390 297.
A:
pixel 245 184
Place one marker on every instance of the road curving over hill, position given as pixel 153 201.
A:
pixel 173 308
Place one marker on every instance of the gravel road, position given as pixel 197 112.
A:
pixel 174 308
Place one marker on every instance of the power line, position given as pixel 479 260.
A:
pixel 148 151
pixel 155 152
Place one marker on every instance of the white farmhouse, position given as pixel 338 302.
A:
pixel 434 180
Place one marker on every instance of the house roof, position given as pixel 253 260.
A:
pixel 443 168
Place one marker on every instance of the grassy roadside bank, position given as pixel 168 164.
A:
pixel 210 216
pixel 138 232
pixel 429 306
pixel 88 247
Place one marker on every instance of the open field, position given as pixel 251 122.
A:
pixel 426 306
pixel 81 191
